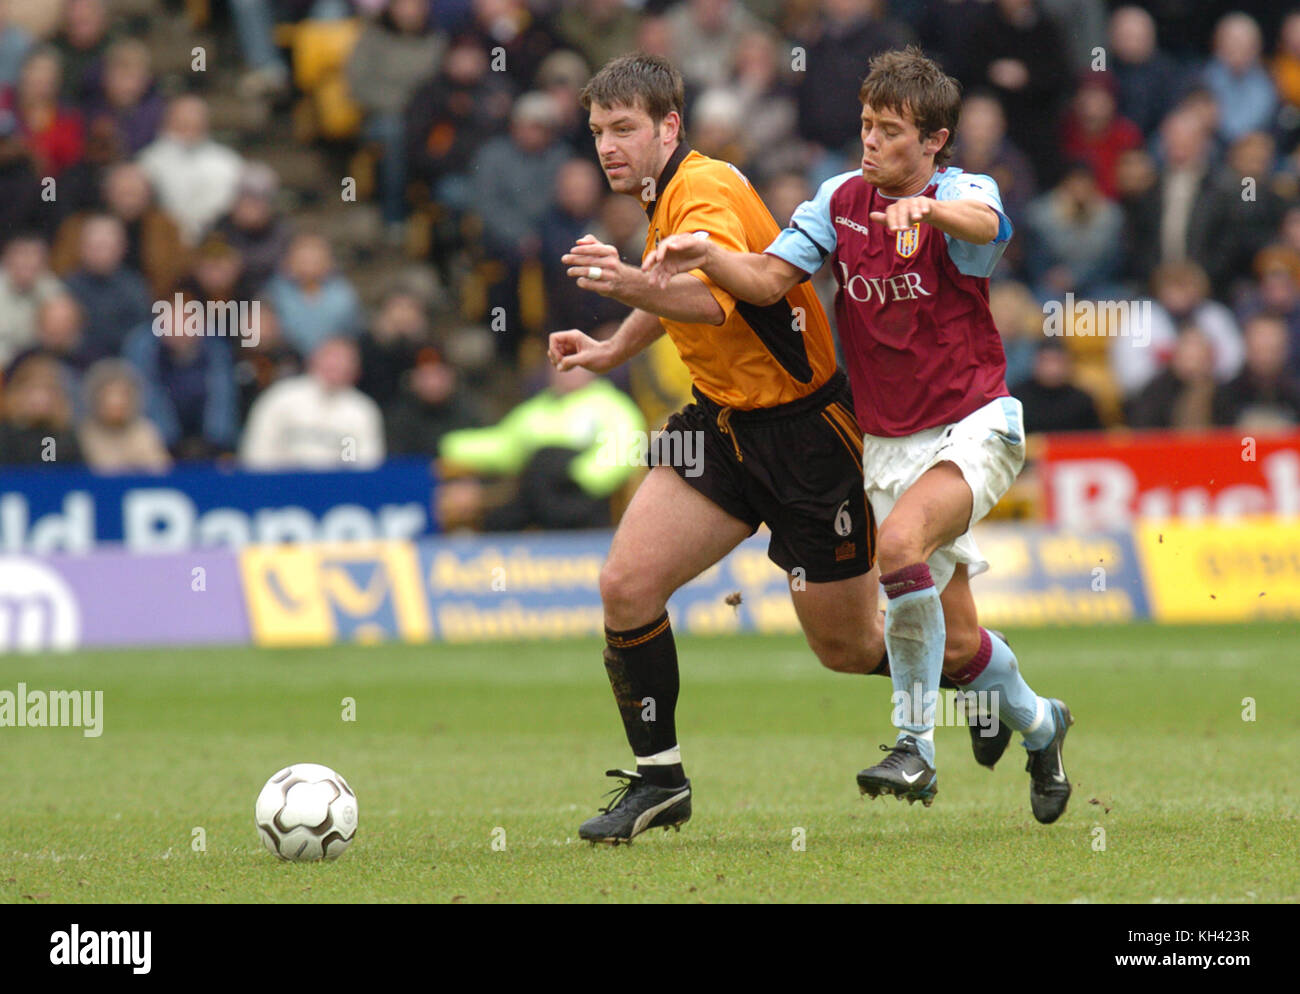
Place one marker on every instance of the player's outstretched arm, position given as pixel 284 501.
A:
pixel 967 220
pixel 749 276
pixel 567 349
pixel 596 266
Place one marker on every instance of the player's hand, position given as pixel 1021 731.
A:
pixel 596 266
pixel 675 254
pixel 567 349
pixel 902 214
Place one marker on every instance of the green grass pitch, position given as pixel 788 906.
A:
pixel 452 743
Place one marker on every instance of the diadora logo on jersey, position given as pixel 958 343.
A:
pixel 886 289
pixel 848 223
pixel 906 242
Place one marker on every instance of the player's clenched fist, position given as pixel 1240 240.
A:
pixel 676 254
pixel 902 214
pixel 567 349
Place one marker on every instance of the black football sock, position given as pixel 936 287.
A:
pixel 642 668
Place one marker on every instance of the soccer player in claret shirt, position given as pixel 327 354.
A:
pixel 911 242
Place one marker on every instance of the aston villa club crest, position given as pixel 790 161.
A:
pixel 906 242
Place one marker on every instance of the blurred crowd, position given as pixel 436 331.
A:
pixel 1148 155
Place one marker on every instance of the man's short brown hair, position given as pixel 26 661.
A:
pixel 908 83
pixel 642 81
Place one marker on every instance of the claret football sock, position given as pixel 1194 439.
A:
pixel 642 668
pixel 994 669
pixel 914 639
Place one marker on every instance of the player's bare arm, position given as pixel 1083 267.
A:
pixel 597 266
pixel 567 349
pixel 968 220
pixel 750 276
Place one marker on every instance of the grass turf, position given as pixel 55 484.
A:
pixel 453 742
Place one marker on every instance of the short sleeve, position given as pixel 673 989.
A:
pixel 969 258
pixel 810 237
pixel 707 208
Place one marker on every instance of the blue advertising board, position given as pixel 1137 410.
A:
pixel 58 509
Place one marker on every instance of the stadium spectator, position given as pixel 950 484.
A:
pixel 37 426
pixel 189 392
pixel 60 335
pixel 579 195
pixel 21 208
pixel 705 34
pixel 1093 133
pixel 1277 294
pixel 26 282
pixel 523 38
pixel 15 41
pixel 395 53
pixel 1175 219
pixel 1286 65
pixel 318 420
pixel 53 131
pixel 1081 24
pixel 1251 207
pixel 566 447
pixel 1072 231
pixel 312 298
pixel 1238 80
pixel 513 183
pixel 983 147
pixel 718 127
pixel 1182 296
pixel 153 241
pixel 430 403
pixel 849 33
pixel 262 360
pixel 128 97
pixel 390 345
pixel 254 228
pixel 1017 52
pixel 82 42
pixel 1051 400
pixel 217 275
pixel 114 297
pixel 195 177
pixel 450 117
pixel 1148 79
pixel 1182 394
pixel 1019 320
pixel 784 192
pixel 561 76
pixel 1263 395
pixel 599 29
pixel 767 103
pixel 114 436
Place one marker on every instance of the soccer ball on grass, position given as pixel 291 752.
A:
pixel 306 812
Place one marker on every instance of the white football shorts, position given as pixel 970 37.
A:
pixel 988 446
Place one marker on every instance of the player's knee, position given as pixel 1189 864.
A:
pixel 896 547
pixel 842 656
pixel 630 598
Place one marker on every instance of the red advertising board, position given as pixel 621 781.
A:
pixel 1110 481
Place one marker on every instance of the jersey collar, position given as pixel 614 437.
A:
pixel 666 177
